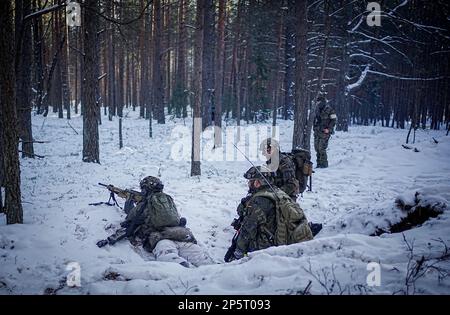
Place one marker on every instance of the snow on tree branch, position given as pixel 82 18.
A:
pixel 358 83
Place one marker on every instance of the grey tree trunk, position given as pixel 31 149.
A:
pixel 37 50
pixel 23 76
pixel 64 67
pixel 208 63
pixel 112 98
pixel 158 98
pixel 197 110
pixel 13 204
pixel 90 83
pixel 289 77
pixel 313 109
pixel 2 167
pixel 219 75
pixel 301 106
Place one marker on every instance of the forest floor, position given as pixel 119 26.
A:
pixel 353 198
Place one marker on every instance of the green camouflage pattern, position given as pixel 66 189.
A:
pixel 258 220
pixel 159 212
pixel 271 220
pixel 285 177
pixel 325 119
pixel 291 223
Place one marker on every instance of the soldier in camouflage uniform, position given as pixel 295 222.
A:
pixel 282 167
pixel 155 221
pixel 258 215
pixel 258 227
pixel 324 123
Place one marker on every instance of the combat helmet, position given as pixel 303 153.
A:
pixel 261 173
pixel 151 183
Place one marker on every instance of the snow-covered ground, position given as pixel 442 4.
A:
pixel 368 170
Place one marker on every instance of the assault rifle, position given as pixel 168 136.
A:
pixel 127 228
pixel 236 224
pixel 230 252
pixel 131 197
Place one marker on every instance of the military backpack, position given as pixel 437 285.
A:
pixel 292 225
pixel 162 211
pixel 303 166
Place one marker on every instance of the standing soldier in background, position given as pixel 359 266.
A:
pixel 324 123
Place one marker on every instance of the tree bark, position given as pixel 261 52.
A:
pixel 208 63
pixel 218 93
pixel 38 55
pixel 301 107
pixel 143 49
pixel 112 98
pixel 23 76
pixel 90 83
pixel 64 67
pixel 179 97
pixel 197 84
pixel 13 203
pixel 158 90
pixel 289 53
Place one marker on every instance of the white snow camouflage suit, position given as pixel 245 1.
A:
pixel 162 235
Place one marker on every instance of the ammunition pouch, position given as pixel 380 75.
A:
pixel 307 168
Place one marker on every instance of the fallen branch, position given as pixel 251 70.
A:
pixel 102 76
pixel 44 11
pixel 77 50
pixel 34 154
pixel 72 128
pixel 34 141
pixel 407 147
pixel 307 288
pixel 418 268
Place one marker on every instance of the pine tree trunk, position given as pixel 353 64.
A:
pixel 167 51
pixel 289 53
pixel 90 83
pixel 180 78
pixel 208 63
pixel 37 50
pixel 64 68
pixel 2 167
pixel 13 205
pixel 23 77
pixel 112 97
pixel 77 72
pixel 58 86
pixel 219 75
pixel 158 89
pixel 276 76
pixel 301 106
pixel 143 54
pixel 197 84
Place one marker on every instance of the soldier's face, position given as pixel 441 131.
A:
pixel 253 183
pixel 267 152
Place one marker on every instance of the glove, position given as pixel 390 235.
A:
pixel 125 224
pixel 245 199
pixel 237 255
pixel 102 243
